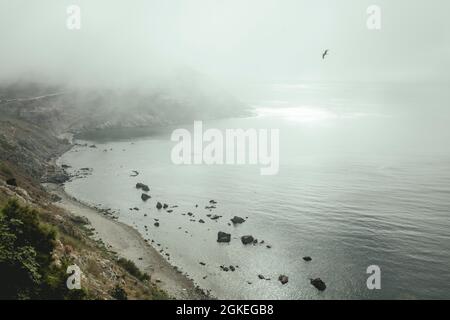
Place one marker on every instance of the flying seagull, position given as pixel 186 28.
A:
pixel 324 54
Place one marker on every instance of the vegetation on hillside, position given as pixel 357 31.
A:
pixel 26 268
pixel 37 247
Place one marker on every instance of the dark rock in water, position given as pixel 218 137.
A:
pixel 136 208
pixel 93 146
pixel 135 173
pixel 255 241
pixel 203 264
pixel 212 201
pixel 268 247
pixel 215 217
pixel 190 214
pixel 237 220
pixel 145 197
pixel 232 268
pixel 223 237
pixel 261 276
pixel 201 221
pixel 165 206
pixel 247 239
pixel 12 182
pixel 319 284
pixel 159 205
pixel 169 211
pixel 142 186
pixel 156 224
pixel 307 258
pixel 283 279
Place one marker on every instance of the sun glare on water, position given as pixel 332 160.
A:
pixel 297 114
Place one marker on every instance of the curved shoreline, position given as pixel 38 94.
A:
pixel 128 243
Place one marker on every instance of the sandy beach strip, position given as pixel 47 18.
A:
pixel 129 244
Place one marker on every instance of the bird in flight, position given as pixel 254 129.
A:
pixel 325 53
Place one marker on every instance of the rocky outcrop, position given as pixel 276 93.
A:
pixel 145 197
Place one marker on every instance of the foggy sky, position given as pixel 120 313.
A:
pixel 229 40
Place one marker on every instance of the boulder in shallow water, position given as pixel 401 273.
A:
pixel 159 205
pixel 307 259
pixel 319 284
pixel 165 206
pixel 223 237
pixel 283 279
pixel 156 224
pixel 145 197
pixel 247 239
pixel 237 220
pixel 142 186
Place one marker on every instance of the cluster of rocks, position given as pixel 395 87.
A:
pixel 229 268
pixel 160 206
pixel 224 237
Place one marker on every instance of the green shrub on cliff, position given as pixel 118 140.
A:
pixel 119 293
pixel 133 269
pixel 26 245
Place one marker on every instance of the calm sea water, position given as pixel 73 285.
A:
pixel 364 180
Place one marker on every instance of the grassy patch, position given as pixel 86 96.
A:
pixel 133 269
